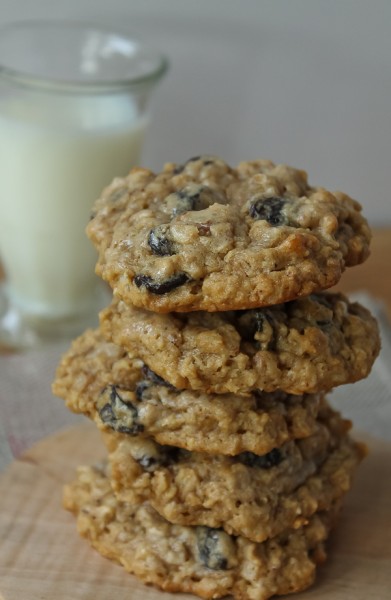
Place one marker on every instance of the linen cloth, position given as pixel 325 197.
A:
pixel 29 412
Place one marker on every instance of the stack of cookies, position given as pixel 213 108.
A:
pixel 207 376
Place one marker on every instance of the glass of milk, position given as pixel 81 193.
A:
pixel 73 113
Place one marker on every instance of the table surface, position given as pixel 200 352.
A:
pixel 374 275
pixel 41 553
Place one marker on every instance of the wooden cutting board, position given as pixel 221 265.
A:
pixel 43 558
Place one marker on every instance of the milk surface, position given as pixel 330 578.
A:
pixel 56 156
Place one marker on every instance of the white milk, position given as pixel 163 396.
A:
pixel 56 155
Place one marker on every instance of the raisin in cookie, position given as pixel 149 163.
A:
pixel 250 495
pixel 118 391
pixel 205 236
pixel 305 346
pixel 197 560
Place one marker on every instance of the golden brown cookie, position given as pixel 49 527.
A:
pixel 118 391
pixel 205 236
pixel 249 495
pixel 305 346
pixel 198 560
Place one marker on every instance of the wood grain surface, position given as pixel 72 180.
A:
pixel 374 275
pixel 43 558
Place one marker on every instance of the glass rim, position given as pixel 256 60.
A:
pixel 51 84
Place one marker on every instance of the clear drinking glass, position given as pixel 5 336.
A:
pixel 73 112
